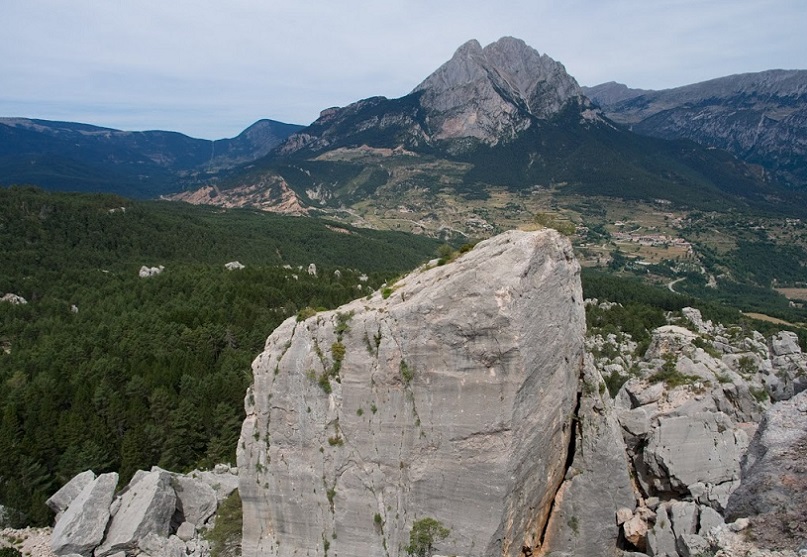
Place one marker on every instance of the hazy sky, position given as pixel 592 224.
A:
pixel 210 68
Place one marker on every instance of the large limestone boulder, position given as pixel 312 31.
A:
pixel 684 450
pixel 59 501
pixel 448 395
pixel 222 479
pixel 785 343
pixel 145 507
pixel 196 500
pixel 81 527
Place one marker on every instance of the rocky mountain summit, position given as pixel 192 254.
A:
pixel 501 121
pixel 487 95
pixel 759 117
pixel 493 93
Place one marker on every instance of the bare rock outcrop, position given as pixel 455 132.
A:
pixel 688 406
pixel 597 484
pixel 773 487
pixel 448 395
pixel 13 299
pixel 158 514
pixel 492 93
pixel 83 524
pixel 683 450
pixel 146 271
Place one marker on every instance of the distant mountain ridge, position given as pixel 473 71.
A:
pixel 480 96
pixel 499 120
pixel 82 157
pixel 759 117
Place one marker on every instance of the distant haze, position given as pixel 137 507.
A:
pixel 209 69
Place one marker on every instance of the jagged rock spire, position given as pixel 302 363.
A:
pixel 492 93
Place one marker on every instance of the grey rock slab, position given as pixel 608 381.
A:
pixel 81 527
pixel 683 450
pixel 773 485
pixel 599 485
pixel 692 545
pixel 708 520
pixel 785 343
pixel 636 424
pixel 642 394
pixel 154 545
pixel 684 517
pixel 223 480
pixel 196 500
pixel 59 501
pixel 661 539
pixel 145 508
pixel 466 376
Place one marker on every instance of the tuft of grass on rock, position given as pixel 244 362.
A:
pixel 225 536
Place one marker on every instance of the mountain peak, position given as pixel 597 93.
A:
pixel 497 91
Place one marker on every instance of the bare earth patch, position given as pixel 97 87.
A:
pixel 31 542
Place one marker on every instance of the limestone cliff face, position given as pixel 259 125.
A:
pixel 488 95
pixel 492 93
pixel 449 398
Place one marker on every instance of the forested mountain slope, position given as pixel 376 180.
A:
pixel 106 370
pixel 759 117
pixel 69 156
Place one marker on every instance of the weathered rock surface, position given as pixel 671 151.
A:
pixel 146 507
pixel 222 479
pixel 494 92
pixel 683 450
pixel 195 500
pixel 773 487
pixel 59 501
pixel 597 484
pixel 81 527
pixel 159 514
pixel 690 403
pixel 449 396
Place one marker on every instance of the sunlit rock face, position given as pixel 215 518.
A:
pixel 448 395
pixel 492 93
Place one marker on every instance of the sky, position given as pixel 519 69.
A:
pixel 210 68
